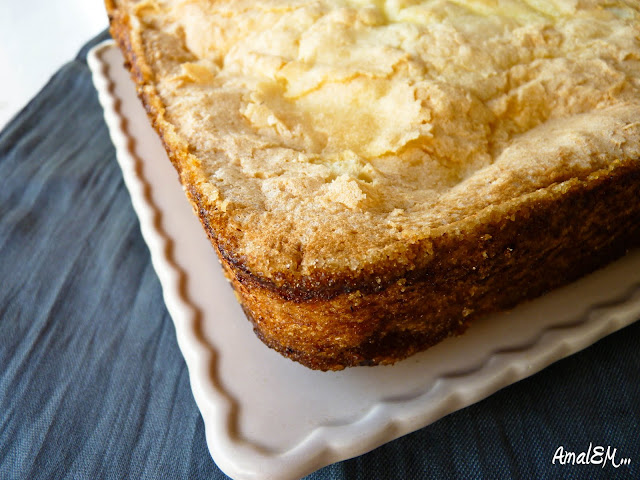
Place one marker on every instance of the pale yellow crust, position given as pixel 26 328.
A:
pixel 340 154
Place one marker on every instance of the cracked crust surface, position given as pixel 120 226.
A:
pixel 342 153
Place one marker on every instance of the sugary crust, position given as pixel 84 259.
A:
pixel 426 289
pixel 554 238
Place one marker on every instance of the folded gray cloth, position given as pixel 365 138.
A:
pixel 93 385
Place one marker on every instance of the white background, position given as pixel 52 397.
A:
pixel 36 38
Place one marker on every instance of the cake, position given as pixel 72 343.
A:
pixel 376 175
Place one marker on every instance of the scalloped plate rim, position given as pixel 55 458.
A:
pixel 384 421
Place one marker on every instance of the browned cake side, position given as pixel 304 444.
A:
pixel 384 311
pixel 554 238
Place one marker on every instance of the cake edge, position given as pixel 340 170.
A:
pixel 482 264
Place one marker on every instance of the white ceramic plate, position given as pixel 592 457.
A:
pixel 267 417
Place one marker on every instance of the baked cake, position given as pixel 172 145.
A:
pixel 376 174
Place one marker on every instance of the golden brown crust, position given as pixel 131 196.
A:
pixel 383 311
pixel 552 240
pixel 120 29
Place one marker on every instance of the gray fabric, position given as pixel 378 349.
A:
pixel 93 385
